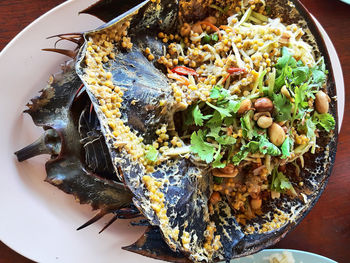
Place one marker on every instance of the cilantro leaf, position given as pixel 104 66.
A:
pixel 204 150
pixel 219 93
pixel 284 60
pixel 266 147
pixel 223 112
pixel 240 156
pixel 283 107
pixel 217 159
pixel 151 154
pixel 215 120
pixel 189 117
pixel 221 139
pixel 311 127
pixel 198 116
pixel 319 73
pixel 247 125
pixel 214 37
pixel 226 140
pixel 301 95
pixel 300 74
pixel 286 147
pixel 250 147
pixel 284 67
pixel 214 132
pixel 233 106
pixel 280 182
pixel 325 120
pixel 206 39
pixel 318 76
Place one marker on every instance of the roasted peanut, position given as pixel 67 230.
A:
pixel 229 171
pixel 246 104
pixel 321 102
pixel 263 104
pixel 211 20
pixel 215 197
pixel 185 30
pixel 284 40
pixel 264 122
pixel 259 114
pixel 276 134
pixel 197 28
pixel 275 195
pixel 256 203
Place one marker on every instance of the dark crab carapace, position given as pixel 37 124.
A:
pixel 179 230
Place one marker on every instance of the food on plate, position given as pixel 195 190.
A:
pixel 284 257
pixel 205 117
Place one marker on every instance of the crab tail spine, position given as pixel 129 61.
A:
pixel 48 143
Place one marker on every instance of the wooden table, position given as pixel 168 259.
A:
pixel 326 230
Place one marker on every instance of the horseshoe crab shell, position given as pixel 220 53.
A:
pixel 174 195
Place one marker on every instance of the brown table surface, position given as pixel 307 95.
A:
pixel 326 230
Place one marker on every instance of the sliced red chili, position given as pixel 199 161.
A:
pixel 235 70
pixel 182 70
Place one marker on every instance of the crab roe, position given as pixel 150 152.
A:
pixel 100 48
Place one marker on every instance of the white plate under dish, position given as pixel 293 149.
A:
pixel 37 220
pixel 299 257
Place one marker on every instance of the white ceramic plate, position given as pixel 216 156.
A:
pixel 299 256
pixel 37 220
pixel 346 1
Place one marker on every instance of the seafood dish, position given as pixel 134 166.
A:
pixel 211 122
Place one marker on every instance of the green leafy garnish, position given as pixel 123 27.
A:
pixel 301 74
pixel 238 157
pixel 221 139
pixel 300 95
pixel 198 117
pixel 219 93
pixel 247 124
pixel 283 107
pixel 217 159
pixel 325 121
pixel 210 39
pixel 250 147
pixel 318 76
pixel 280 182
pixel 215 37
pixel 206 39
pixel 266 147
pixel 204 150
pixel 233 106
pixel 226 140
pixel 311 127
pixel 287 147
pixel 215 120
pixel 151 154
pixel 223 112
pixel 285 59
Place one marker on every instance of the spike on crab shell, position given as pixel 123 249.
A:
pixel 66 52
pixel 107 10
pixel 151 244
